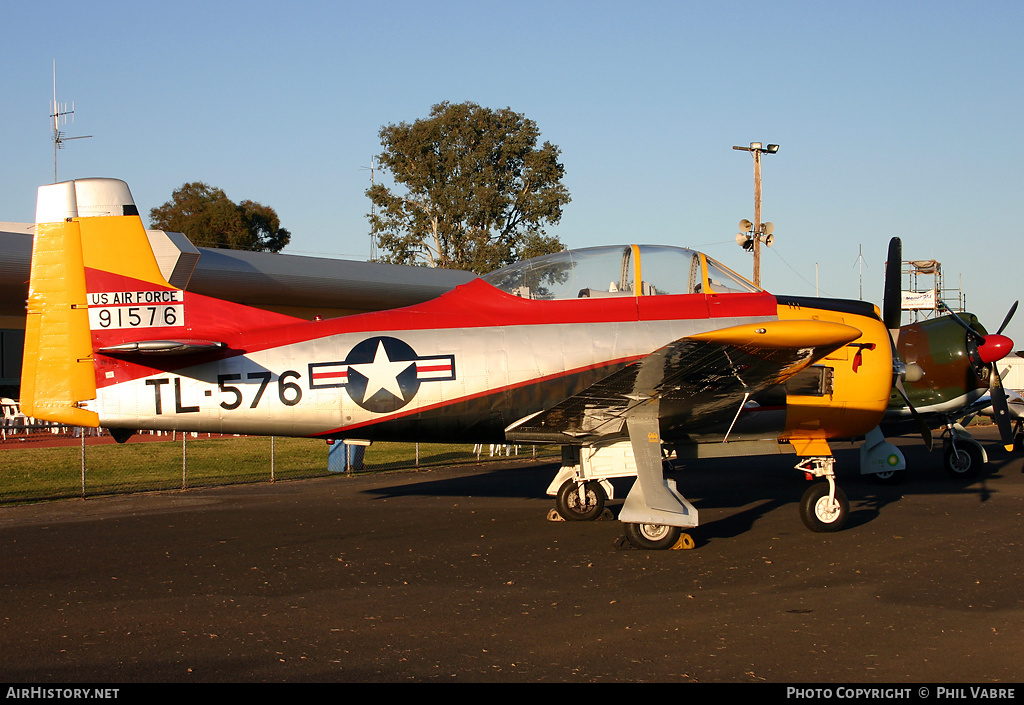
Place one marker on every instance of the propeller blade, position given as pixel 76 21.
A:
pixel 1009 315
pixel 995 348
pixel 999 407
pixel 926 433
pixel 891 304
pixel 978 337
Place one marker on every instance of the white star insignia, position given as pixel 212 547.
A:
pixel 382 373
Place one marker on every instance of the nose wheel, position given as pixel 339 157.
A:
pixel 824 507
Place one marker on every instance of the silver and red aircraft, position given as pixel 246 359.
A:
pixel 618 354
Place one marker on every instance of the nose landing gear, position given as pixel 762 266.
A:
pixel 824 507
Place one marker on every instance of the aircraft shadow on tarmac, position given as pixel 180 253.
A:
pixel 753 487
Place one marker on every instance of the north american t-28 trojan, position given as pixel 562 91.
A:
pixel 618 354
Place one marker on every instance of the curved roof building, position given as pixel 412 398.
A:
pixel 295 285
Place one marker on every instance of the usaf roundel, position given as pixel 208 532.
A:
pixel 382 374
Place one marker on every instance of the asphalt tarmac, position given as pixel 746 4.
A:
pixel 456 575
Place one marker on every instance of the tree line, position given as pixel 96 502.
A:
pixel 471 189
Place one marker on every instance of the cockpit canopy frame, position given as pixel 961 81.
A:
pixel 618 270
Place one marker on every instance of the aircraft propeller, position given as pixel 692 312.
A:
pixel 891 313
pixel 989 349
pixel 984 350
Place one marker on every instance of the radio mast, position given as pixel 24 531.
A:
pixel 373 210
pixel 860 261
pixel 59 114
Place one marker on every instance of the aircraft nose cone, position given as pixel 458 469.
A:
pixel 995 347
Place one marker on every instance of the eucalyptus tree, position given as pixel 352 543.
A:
pixel 210 219
pixel 478 190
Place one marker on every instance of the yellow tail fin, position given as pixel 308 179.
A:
pixel 57 372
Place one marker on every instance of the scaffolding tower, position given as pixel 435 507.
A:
pixel 925 294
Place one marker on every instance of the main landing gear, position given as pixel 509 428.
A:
pixel 582 489
pixel 962 459
pixel 657 537
pixel 585 501
pixel 655 514
pixel 962 455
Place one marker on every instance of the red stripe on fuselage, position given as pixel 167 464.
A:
pixel 476 304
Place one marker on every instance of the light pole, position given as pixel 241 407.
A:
pixel 758 231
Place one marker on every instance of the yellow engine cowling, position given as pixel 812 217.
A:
pixel 854 382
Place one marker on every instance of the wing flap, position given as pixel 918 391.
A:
pixel 700 379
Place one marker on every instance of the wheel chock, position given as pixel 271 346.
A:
pixel 685 543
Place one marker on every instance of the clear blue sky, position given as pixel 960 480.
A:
pixel 894 118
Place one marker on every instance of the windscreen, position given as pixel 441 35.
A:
pixel 630 270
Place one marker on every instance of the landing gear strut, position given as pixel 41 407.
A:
pixel 962 455
pixel 824 507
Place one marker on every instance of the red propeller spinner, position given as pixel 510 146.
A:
pixel 994 347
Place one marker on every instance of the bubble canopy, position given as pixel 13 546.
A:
pixel 618 270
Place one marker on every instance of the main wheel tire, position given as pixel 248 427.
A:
pixel 574 508
pixel 653 537
pixel 821 515
pixel 962 461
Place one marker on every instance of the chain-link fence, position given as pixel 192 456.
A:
pixel 44 466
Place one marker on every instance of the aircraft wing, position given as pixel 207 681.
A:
pixel 697 380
